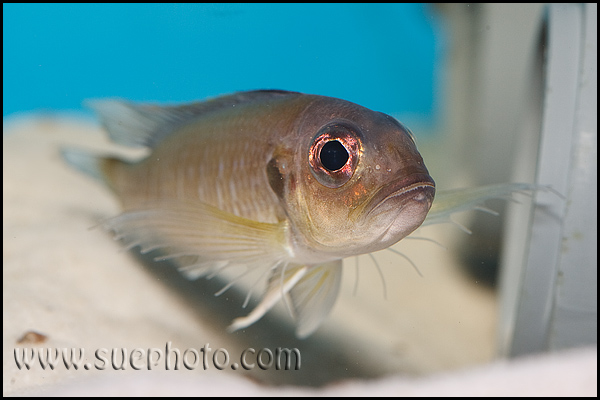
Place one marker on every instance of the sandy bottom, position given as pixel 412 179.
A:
pixel 66 286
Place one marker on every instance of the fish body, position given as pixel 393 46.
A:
pixel 276 181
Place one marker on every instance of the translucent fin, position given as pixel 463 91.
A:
pixel 84 162
pixel 448 202
pixel 314 295
pixel 312 290
pixel 147 125
pixel 202 269
pixel 275 292
pixel 197 231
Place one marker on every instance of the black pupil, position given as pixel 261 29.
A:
pixel 333 155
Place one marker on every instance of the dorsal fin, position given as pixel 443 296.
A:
pixel 146 125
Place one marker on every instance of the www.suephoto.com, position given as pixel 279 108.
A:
pixel 170 358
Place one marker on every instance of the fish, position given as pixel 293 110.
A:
pixel 281 183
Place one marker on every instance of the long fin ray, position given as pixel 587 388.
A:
pixel 274 293
pixel 448 202
pixel 311 289
pixel 200 269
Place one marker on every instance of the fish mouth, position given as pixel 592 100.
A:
pixel 417 187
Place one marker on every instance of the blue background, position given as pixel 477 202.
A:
pixel 383 56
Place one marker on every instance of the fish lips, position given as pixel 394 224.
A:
pixel 415 191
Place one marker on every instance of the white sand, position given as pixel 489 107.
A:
pixel 432 336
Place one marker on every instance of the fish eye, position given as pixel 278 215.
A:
pixel 334 153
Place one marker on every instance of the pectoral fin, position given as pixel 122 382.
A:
pixel 192 230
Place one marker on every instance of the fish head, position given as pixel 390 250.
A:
pixel 351 182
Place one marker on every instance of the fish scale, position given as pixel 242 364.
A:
pixel 212 179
